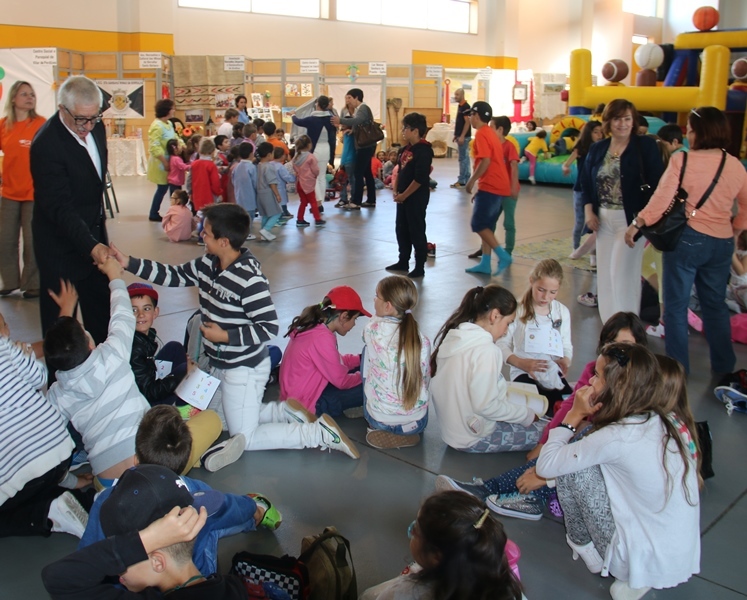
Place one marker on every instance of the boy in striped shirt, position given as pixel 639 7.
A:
pixel 238 319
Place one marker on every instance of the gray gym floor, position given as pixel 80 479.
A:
pixel 372 500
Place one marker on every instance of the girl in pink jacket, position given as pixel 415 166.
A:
pixel 313 371
pixel 307 169
pixel 178 222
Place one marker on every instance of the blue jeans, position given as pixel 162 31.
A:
pixel 398 429
pixel 350 172
pixel 334 401
pixel 704 261
pixel 158 195
pixel 579 226
pixel 464 166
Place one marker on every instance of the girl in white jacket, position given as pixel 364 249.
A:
pixel 467 388
pixel 537 345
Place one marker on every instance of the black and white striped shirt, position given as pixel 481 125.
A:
pixel 237 299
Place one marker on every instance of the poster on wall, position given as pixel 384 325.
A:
pixel 22 64
pixel 193 115
pixel 224 100
pixel 123 99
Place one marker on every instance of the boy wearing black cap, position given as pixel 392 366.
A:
pixel 150 520
pixel 494 185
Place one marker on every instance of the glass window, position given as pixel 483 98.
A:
pixel 448 15
pixel 646 8
pixel 359 12
pixel 405 13
pixel 441 15
pixel 290 8
pixel 235 5
pixel 640 40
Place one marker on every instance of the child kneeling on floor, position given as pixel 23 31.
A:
pixel 150 522
pixel 460 551
pixel 468 390
pixel 239 319
pixel 165 440
pixel 313 371
pixel 396 367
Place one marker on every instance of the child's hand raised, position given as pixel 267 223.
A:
pixel 122 258
pixel 67 299
pixel 111 268
pixel 179 525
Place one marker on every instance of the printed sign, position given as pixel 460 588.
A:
pixel 309 65
pixel 377 68
pixel 233 62
pixel 150 60
pixel 433 71
pixel 44 56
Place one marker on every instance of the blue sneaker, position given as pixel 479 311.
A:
pixel 504 260
pixel 477 488
pixel 80 458
pixel 732 398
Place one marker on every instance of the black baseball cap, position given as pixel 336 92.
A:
pixel 483 109
pixel 146 493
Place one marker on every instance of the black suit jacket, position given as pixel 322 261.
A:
pixel 69 218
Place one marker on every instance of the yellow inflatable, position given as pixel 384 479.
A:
pixel 564 124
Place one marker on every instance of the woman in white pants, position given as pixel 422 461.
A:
pixel 619 176
pixel 323 138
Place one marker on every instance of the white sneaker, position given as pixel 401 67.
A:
pixel 223 454
pixel 68 515
pixel 656 330
pixel 298 412
pixel 334 438
pixel 266 235
pixel 251 237
pixel 588 553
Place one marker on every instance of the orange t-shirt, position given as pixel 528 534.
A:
pixel 486 145
pixel 509 155
pixel 279 144
pixel 16 145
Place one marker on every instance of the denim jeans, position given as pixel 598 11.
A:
pixel 579 225
pixel 158 195
pixel 350 172
pixel 704 261
pixel 405 429
pixel 464 166
pixel 334 401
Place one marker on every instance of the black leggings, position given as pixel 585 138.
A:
pixel 552 396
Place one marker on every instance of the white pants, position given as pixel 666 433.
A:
pixel 266 426
pixel 322 156
pixel 618 266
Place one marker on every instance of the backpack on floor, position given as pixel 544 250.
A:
pixel 330 564
pixel 263 574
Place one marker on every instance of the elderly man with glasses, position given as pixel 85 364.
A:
pixel 68 166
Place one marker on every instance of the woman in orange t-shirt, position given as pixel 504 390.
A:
pixel 17 130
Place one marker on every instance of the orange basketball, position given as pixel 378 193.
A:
pixel 705 18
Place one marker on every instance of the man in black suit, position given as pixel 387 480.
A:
pixel 68 165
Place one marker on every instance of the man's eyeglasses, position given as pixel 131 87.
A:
pixel 83 121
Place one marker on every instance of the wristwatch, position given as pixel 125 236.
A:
pixel 635 224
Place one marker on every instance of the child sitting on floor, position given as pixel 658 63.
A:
pixel 457 546
pixel 537 345
pixel 396 367
pixel 95 387
pixel 313 371
pixel 467 388
pixel 238 319
pixel 165 440
pixel 150 521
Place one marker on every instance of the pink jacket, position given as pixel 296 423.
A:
pixel 567 404
pixel 311 361
pixel 307 170
pixel 177 170
pixel 177 223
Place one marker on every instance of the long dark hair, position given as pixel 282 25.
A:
pixel 476 303
pixel 471 544
pixel 584 141
pixel 632 386
pixel 317 314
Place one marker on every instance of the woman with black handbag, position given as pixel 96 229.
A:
pixel 618 177
pixel 711 181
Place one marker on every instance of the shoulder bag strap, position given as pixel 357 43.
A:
pixel 710 187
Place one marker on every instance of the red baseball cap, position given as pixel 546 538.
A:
pixel 344 297
pixel 142 289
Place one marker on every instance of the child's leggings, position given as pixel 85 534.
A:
pixel 307 199
pixel 270 222
pixel 532 162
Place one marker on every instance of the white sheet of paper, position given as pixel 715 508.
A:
pixel 198 388
pixel 526 394
pixel 163 368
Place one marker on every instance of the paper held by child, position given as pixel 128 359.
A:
pixel 163 368
pixel 526 394
pixel 198 388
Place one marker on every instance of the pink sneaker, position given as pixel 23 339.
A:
pixel 694 321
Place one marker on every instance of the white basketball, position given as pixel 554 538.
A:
pixel 649 56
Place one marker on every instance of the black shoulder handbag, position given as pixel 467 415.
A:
pixel 368 134
pixel 665 234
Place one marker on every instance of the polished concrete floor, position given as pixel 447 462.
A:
pixel 372 500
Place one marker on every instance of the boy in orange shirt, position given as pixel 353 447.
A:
pixel 269 129
pixel 493 186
